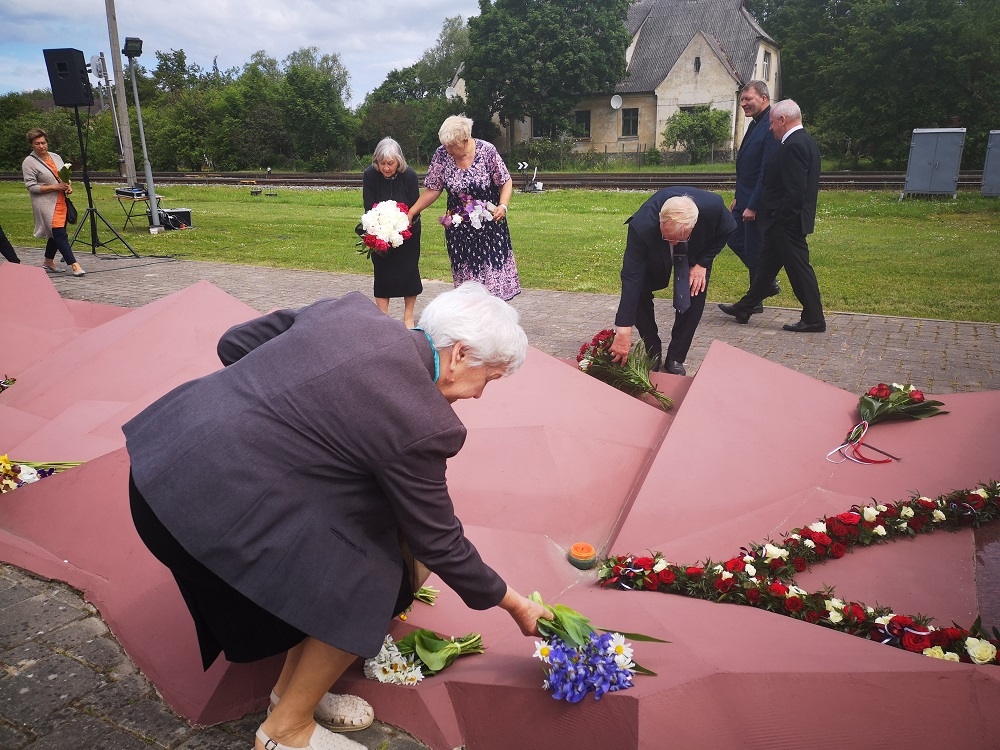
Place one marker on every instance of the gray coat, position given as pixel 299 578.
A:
pixel 43 205
pixel 288 472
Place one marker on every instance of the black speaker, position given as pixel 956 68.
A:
pixel 68 76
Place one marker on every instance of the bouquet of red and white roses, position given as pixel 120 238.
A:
pixel 385 226
pixel 881 403
pixel 631 376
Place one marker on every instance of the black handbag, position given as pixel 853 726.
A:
pixel 71 215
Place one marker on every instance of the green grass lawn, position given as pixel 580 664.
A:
pixel 872 254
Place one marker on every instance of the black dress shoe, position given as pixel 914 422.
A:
pixel 759 308
pixel 803 327
pixel 674 368
pixel 731 310
pixel 774 291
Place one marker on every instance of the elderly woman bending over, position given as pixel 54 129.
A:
pixel 474 175
pixel 280 489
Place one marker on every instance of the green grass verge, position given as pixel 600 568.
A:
pixel 872 254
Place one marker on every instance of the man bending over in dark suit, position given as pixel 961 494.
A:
pixel 679 229
pixel 787 214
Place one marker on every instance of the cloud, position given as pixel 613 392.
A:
pixel 371 36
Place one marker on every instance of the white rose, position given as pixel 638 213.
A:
pixel 584 364
pixel 898 387
pixel 794 536
pixel 772 552
pixel 869 513
pixel 981 492
pixel 819 527
pixel 881 508
pixel 748 558
pixel 926 499
pixel 884 619
pixel 718 569
pixel 935 652
pixel 809 543
pixel 660 565
pixel 750 570
pixel 901 525
pixel 796 591
pixel 726 575
pixel 834 617
pixel 906 512
pixel 980 650
pixel 832 604
pixel 938 515
pixel 951 656
pixel 879 531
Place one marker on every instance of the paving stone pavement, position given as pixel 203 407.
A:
pixel 65 683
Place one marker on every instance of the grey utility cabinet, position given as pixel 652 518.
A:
pixel 935 158
pixel 991 170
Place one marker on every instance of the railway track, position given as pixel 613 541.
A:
pixel 968 180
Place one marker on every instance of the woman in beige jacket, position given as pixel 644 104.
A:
pixel 48 200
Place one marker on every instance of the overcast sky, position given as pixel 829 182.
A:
pixel 371 36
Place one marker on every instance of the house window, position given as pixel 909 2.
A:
pixel 630 122
pixel 583 123
pixel 697 65
pixel 538 128
pixel 767 66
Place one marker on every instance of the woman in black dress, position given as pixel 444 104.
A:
pixel 396 271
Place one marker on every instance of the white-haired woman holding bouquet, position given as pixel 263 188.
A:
pixel 280 489
pixel 397 271
pixel 478 185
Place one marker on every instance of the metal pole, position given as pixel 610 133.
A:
pixel 154 214
pixel 120 102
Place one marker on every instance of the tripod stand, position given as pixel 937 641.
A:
pixel 92 213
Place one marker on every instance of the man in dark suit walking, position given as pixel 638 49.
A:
pixel 756 150
pixel 678 230
pixel 787 214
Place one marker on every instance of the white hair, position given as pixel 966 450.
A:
pixel 455 129
pixel 485 324
pixel 681 211
pixel 788 109
pixel 388 150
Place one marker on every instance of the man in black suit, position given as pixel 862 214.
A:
pixel 679 230
pixel 787 214
pixel 756 150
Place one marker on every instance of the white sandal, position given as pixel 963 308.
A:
pixel 321 739
pixel 341 713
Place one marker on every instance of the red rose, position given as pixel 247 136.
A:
pixel 954 634
pixel 915 641
pixel 850 518
pixel 776 563
pixel 667 576
pixel 873 391
pixel 778 589
pixel 929 504
pixel 735 565
pixel 917 523
pixel 938 638
pixel 794 604
pixel 800 564
pixel 651 583
pixel 643 562
pixel 854 612
pixel 898 624
pixel 976 502
pixel 883 391
pixel 813 616
pixel 837 529
pixel 821 550
pixel 722 585
pixel 694 572
pixel 753 595
pixel 852 532
pixel 917 396
pixel 822 539
pixel 838 550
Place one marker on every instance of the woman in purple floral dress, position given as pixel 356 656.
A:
pixel 472 171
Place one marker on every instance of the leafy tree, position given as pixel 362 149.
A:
pixel 538 58
pixel 698 131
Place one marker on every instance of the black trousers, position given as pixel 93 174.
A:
pixel 785 247
pixel 682 332
pixel 7 249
